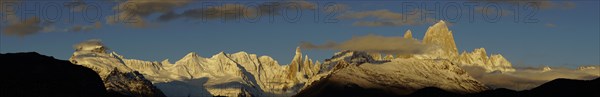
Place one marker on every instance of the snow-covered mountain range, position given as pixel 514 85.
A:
pixel 245 74
pixel 222 74
pixel 360 73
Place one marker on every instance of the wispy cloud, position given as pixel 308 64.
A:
pixel 551 25
pixel 569 5
pixel 29 26
pixel 542 4
pixel 384 17
pixel 78 28
pixel 76 5
pixel 237 11
pixel 134 12
pixel 90 44
pixel 374 43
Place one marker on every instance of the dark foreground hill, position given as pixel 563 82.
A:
pixel 554 88
pixel 330 87
pixel 35 75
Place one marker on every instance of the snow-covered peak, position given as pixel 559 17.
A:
pixel 240 53
pixel 546 69
pixel 298 51
pixel 191 55
pixel 219 55
pixel 166 61
pixel 479 57
pixel 408 34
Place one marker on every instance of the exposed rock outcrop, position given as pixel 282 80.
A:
pixel 439 35
pixel 479 57
pixel 442 39
pixel 131 84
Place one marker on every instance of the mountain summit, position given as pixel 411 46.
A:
pixel 442 39
pixel 237 74
pixel 439 35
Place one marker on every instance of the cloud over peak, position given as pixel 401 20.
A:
pixel 374 43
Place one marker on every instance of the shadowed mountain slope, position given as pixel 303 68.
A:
pixel 34 75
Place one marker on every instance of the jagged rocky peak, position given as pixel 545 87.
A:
pixel 131 84
pixel 441 36
pixel 165 62
pixel 298 51
pixel 480 53
pixel 408 34
pixel 294 65
pixel 192 54
pixel 299 67
pixel 479 57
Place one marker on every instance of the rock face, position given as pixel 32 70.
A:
pixel 35 75
pixel 442 39
pixel 479 57
pixel 439 35
pixel 358 74
pixel 237 74
pixel 130 84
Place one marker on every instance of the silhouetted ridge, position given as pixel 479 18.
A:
pixel 567 88
pixel 33 75
pixel 555 88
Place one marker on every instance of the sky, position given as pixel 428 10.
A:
pixel 546 33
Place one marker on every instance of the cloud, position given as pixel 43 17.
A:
pixel 133 12
pixel 339 8
pixel 374 43
pixel 226 11
pixel 30 26
pixel 92 44
pixel 76 5
pixel 542 4
pixel 527 78
pixel 78 28
pixel 237 11
pixel 551 25
pixel 569 5
pixel 386 17
pixel 9 11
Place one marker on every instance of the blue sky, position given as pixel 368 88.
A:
pixel 562 37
